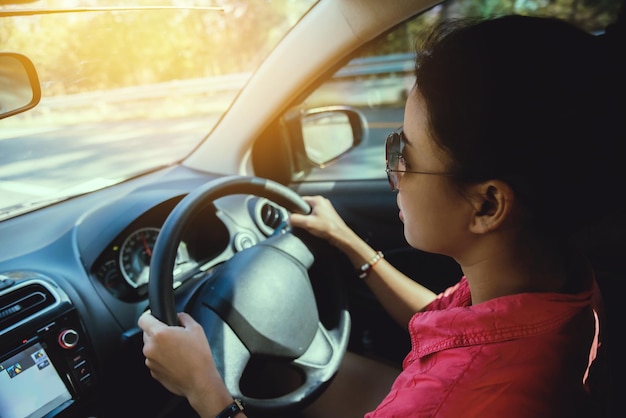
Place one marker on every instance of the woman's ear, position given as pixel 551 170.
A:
pixel 493 204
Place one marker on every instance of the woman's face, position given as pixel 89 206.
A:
pixel 436 215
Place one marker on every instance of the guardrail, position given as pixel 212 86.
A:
pixel 196 86
pixel 219 90
pixel 376 65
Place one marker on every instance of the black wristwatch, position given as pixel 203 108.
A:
pixel 231 410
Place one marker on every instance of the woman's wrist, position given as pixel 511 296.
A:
pixel 233 410
pixel 346 240
pixel 209 402
pixel 207 409
pixel 363 258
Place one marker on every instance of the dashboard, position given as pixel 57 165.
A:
pixel 123 265
pixel 69 304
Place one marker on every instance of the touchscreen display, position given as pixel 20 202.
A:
pixel 30 385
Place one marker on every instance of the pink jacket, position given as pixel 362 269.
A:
pixel 523 355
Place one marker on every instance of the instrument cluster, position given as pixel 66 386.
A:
pixel 123 267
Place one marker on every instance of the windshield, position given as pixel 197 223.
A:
pixel 125 89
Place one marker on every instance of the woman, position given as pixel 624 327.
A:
pixel 497 164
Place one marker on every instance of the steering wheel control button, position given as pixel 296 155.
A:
pixel 68 338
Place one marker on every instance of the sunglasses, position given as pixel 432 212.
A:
pixel 395 161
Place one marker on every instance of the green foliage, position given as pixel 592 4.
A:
pixel 591 15
pixel 77 52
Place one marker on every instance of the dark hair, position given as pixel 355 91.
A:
pixel 525 100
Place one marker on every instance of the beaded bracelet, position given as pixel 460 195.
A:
pixel 365 269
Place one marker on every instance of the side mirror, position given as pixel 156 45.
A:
pixel 19 84
pixel 329 132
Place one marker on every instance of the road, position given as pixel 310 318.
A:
pixel 54 161
pixel 50 162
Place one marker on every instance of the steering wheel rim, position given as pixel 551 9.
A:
pixel 239 327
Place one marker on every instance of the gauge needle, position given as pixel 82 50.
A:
pixel 146 246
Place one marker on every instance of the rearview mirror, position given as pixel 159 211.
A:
pixel 19 84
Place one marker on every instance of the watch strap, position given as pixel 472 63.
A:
pixel 231 410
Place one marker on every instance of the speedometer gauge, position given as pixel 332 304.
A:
pixel 136 253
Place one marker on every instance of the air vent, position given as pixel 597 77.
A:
pixel 267 215
pixel 271 215
pixel 24 302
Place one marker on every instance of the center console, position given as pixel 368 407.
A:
pixel 45 365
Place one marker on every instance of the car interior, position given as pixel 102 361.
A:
pixel 208 235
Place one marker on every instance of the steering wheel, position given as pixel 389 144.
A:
pixel 258 309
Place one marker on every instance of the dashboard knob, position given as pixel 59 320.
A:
pixel 68 338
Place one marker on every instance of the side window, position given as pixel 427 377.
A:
pixel 376 81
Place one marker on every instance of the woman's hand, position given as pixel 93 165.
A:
pixel 180 358
pixel 323 221
pixel 399 294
